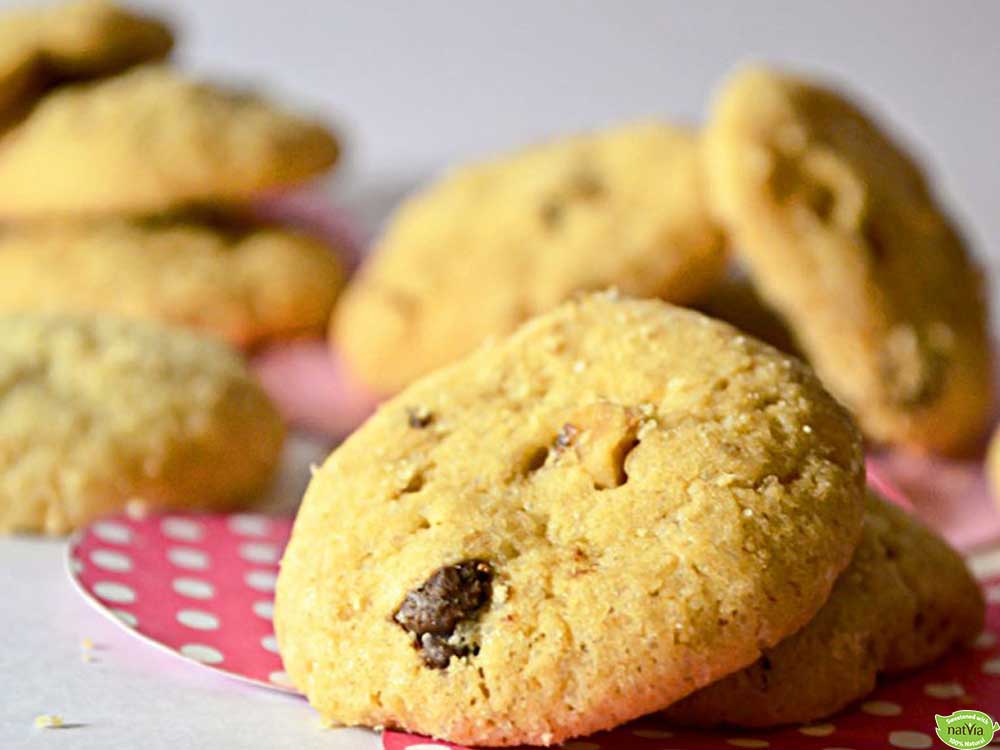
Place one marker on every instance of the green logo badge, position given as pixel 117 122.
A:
pixel 966 729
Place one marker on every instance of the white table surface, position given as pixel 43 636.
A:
pixel 413 86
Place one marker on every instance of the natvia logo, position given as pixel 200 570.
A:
pixel 966 729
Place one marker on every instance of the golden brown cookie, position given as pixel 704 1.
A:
pixel 491 245
pixel 905 600
pixel 150 140
pixel 245 283
pixel 842 235
pixel 42 47
pixel 577 525
pixel 992 465
pixel 98 411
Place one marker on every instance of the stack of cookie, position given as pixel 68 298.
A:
pixel 859 268
pixel 127 196
pixel 623 507
pixel 128 188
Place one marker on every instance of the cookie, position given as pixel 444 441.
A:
pixel 992 465
pixel 43 47
pixel 842 236
pixel 905 600
pixel 577 525
pixel 96 412
pixel 491 245
pixel 735 301
pixel 151 140
pixel 245 283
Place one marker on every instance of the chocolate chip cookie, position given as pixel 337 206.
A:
pixel 905 600
pixel 44 47
pixel 246 282
pixel 490 245
pixel 844 238
pixel 150 140
pixel 619 504
pixel 98 411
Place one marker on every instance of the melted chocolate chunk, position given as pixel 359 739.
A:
pixel 454 594
pixel 418 418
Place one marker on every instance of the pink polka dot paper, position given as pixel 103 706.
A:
pixel 202 587
pixel 199 586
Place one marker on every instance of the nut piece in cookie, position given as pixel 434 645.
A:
pixel 98 414
pixel 618 504
pixel 841 234
pixel 490 245
pixel 905 600
pixel 245 282
pixel 151 140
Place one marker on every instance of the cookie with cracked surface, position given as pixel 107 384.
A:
pixel 247 283
pixel 906 599
pixel 44 47
pixel 582 523
pixel 490 245
pixel 98 411
pixel 842 235
pixel 150 140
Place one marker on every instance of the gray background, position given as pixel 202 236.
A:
pixel 413 86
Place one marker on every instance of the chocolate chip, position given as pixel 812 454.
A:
pixel 452 596
pixel 418 417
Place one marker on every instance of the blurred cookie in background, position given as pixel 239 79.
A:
pixel 152 140
pixel 490 245
pixel 97 412
pixel 906 599
pixel 735 301
pixel 842 235
pixel 993 465
pixel 246 282
pixel 41 47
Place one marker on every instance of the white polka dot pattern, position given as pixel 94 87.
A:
pixel 201 652
pixel 188 557
pixel 107 559
pixel 182 529
pixel 194 588
pixel 261 580
pixel 110 591
pixel 200 585
pixel 881 708
pixel 198 619
pixel 909 739
pixel 204 586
